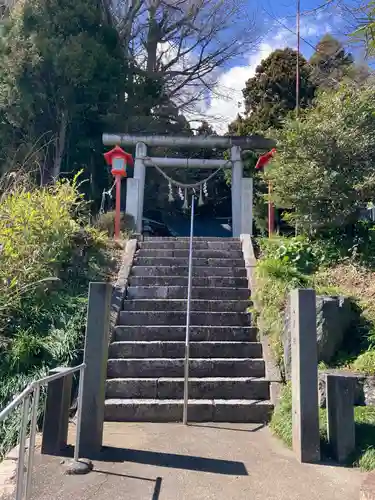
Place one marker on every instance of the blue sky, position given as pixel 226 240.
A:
pixel 276 22
pixel 315 17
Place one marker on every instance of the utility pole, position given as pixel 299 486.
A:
pixel 298 78
pixel 298 61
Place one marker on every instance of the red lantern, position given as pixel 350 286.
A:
pixel 118 159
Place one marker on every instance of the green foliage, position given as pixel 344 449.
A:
pixel 37 231
pixel 365 363
pixel 324 166
pixel 61 83
pixel 9 387
pixel 271 94
pixel 367 461
pixel 281 423
pixel 44 234
pixel 281 268
pixel 301 253
pixel 330 63
pixel 365 33
pixel 364 455
pixel 105 222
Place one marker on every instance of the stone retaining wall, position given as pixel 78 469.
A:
pixel 364 392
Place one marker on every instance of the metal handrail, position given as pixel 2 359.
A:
pixel 187 336
pixel 32 391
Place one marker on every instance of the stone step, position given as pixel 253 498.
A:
pixel 180 305
pixel 183 261
pixel 199 388
pixel 187 238
pixel 184 245
pixel 208 281
pixel 184 254
pixel 178 333
pixel 201 272
pixel 199 410
pixel 180 292
pixel 176 349
pixel 198 367
pixel 175 318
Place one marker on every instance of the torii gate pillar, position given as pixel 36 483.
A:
pixel 135 188
pixel 237 174
pixel 242 188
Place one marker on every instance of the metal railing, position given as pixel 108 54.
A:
pixel 187 336
pixel 31 395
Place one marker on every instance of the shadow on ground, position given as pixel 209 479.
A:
pixel 169 460
pixel 174 461
pixel 235 429
pixel 157 481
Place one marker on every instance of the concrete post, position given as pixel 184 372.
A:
pixel 132 197
pixel 247 206
pixel 140 175
pixel 56 414
pixel 95 357
pixel 237 174
pixel 340 416
pixel 306 439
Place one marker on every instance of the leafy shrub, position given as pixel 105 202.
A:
pixel 299 252
pixel 367 461
pixel 37 231
pixel 323 169
pixel 106 222
pixel 278 271
pixel 365 362
pixel 49 255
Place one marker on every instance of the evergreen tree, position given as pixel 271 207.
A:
pixel 330 63
pixel 271 94
pixel 205 129
pixel 62 77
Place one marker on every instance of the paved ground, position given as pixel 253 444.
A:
pixel 203 462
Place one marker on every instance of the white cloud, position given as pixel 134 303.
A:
pixel 227 100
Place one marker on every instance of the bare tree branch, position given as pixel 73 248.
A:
pixel 183 43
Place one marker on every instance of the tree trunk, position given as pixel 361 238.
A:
pixel 60 146
pixel 153 37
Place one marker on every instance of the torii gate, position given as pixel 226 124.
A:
pixel 242 187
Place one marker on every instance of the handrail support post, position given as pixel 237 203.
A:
pixel 187 336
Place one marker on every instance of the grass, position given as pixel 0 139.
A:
pixel 287 263
pixel 364 456
pixel 278 271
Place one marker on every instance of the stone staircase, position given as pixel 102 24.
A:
pixel 146 357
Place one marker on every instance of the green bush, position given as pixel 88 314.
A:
pixel 299 252
pixel 277 272
pixel 49 254
pixel 323 169
pixel 365 362
pixel 38 232
pixel 106 222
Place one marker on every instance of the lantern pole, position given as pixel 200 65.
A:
pixel 271 212
pixel 118 207
pixel 261 163
pixel 118 159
